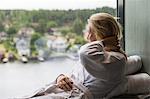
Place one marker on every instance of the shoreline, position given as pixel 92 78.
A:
pixel 49 58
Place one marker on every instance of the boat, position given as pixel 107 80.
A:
pixel 5 60
pixel 24 59
pixel 41 59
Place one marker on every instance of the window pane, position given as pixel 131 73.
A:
pixel 44 34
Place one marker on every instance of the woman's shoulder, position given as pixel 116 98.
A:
pixel 94 51
pixel 116 56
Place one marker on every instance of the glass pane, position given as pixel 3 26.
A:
pixel 44 34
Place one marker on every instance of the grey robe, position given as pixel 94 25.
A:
pixel 108 74
pixel 102 71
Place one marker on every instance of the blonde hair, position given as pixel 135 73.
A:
pixel 105 25
pixel 107 29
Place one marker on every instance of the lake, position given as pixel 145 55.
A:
pixel 18 79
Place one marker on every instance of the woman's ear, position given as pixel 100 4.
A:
pixel 91 37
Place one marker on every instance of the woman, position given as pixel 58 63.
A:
pixel 103 66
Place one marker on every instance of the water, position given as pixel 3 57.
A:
pixel 18 79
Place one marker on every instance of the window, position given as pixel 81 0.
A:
pixel 44 34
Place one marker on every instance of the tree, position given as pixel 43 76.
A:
pixel 79 40
pixel 65 31
pixel 11 31
pixel 42 25
pixel 78 26
pixel 1 27
pixel 108 10
pixel 51 24
pixel 34 37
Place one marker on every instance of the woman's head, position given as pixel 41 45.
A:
pixel 104 27
pixel 101 26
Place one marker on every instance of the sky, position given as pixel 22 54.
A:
pixel 55 4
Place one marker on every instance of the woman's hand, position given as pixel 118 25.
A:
pixel 64 83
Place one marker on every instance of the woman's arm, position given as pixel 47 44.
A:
pixel 91 57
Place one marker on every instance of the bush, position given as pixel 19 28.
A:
pixel 79 40
pixel 34 37
pixel 9 45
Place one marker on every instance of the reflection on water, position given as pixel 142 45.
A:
pixel 17 79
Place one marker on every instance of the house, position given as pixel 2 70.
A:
pixel 51 39
pixel 59 45
pixel 23 47
pixel 22 41
pixel 25 32
pixel 41 47
pixel 40 43
pixel 3 36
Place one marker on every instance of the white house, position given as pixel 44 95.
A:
pixel 49 44
pixel 23 47
pixel 3 36
pixel 59 45
pixel 22 40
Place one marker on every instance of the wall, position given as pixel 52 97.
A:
pixel 137 30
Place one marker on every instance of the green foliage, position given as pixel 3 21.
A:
pixel 65 31
pixel 11 31
pixel 9 45
pixel 34 37
pixel 43 18
pixel 41 27
pixel 51 24
pixel 79 40
pixel 69 22
pixel 71 35
pixel 108 10
pixel 1 27
pixel 78 26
